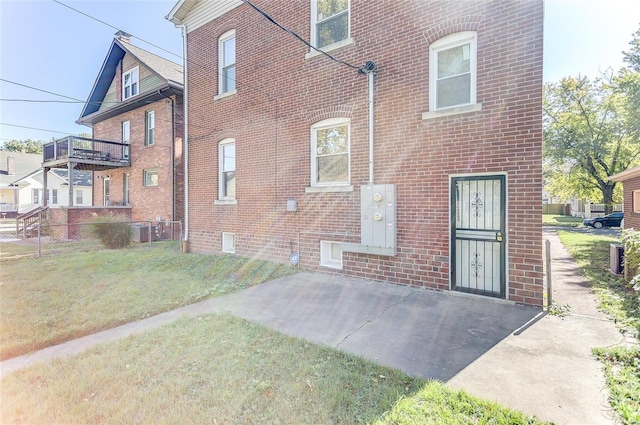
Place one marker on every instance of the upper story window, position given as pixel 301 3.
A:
pixel 227 169
pixel 227 62
pixel 452 71
pixel 130 83
pixel 330 22
pixel 330 152
pixel 126 135
pixel 150 128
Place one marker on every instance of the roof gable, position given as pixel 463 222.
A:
pixel 196 13
pixel 166 73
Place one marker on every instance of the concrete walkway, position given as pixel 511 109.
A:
pixel 516 355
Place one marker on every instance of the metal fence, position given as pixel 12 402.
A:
pixel 64 239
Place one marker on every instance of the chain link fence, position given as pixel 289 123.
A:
pixel 43 240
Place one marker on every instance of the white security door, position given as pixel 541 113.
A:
pixel 478 235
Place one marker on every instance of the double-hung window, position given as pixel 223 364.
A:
pixel 130 83
pixel 330 22
pixel 227 169
pixel 53 198
pixel 330 152
pixel 227 62
pixel 453 71
pixel 150 127
pixel 126 135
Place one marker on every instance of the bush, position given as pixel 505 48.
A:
pixel 631 243
pixel 115 232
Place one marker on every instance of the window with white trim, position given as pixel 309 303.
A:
pixel 329 22
pixel 228 242
pixel 150 177
pixel 227 62
pixel 330 152
pixel 330 254
pixel 125 188
pixel 636 201
pixel 149 128
pixel 53 196
pixel 126 135
pixel 227 169
pixel 130 83
pixel 36 196
pixel 452 71
pixel 79 197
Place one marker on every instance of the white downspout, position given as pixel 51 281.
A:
pixel 185 103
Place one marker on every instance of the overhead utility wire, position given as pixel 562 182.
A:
pixel 116 28
pixel 44 91
pixel 269 18
pixel 33 128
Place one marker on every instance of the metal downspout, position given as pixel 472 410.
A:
pixel 185 103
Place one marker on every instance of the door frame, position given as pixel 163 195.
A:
pixel 505 266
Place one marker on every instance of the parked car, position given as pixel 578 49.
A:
pixel 611 220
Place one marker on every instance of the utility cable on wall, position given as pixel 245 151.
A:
pixel 270 19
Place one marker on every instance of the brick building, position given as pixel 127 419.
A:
pixel 137 101
pixel 630 180
pixel 412 155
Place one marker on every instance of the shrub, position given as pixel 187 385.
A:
pixel 631 243
pixel 114 231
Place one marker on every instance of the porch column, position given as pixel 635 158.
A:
pixel 45 189
pixel 70 180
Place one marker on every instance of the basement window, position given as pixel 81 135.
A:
pixel 331 254
pixel 229 242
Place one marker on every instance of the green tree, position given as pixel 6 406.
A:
pixel 27 146
pixel 592 131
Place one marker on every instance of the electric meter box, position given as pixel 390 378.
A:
pixel 378 204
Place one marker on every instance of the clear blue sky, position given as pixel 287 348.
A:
pixel 51 47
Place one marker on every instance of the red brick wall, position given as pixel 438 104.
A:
pixel 65 220
pixel 281 94
pixel 631 218
pixel 165 200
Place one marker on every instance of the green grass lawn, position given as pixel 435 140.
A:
pixel 220 369
pixel 79 293
pixel 561 220
pixel 621 364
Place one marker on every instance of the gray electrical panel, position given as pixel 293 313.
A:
pixel 378 220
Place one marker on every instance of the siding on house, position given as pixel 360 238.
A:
pixel 631 191
pixel 281 94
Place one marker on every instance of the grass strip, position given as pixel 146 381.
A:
pixel 561 220
pixel 219 369
pixel 76 295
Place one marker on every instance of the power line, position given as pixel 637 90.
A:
pixel 41 90
pixel 33 128
pixel 270 19
pixel 116 28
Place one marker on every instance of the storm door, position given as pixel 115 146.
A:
pixel 478 235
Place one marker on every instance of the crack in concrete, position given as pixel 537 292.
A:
pixel 375 318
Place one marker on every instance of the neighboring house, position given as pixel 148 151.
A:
pixel 31 189
pixel 135 112
pixel 437 185
pixel 15 166
pixel 630 180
